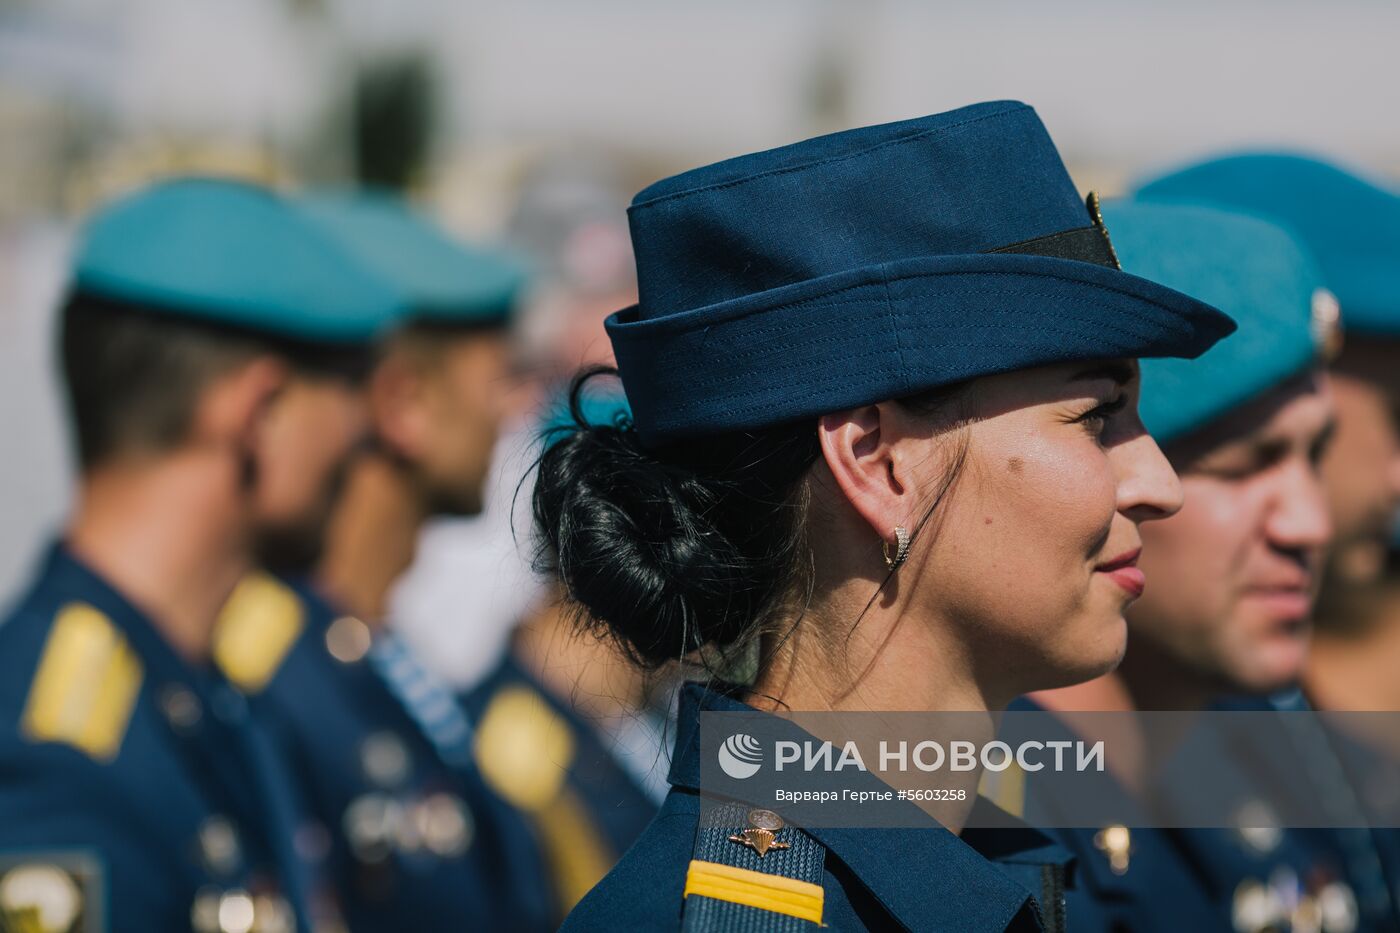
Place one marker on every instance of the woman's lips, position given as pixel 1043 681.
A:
pixel 1129 578
pixel 1124 571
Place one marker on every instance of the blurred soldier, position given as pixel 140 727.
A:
pixel 211 342
pixel 384 751
pixel 1230 579
pixel 570 226
pixel 1352 226
pixel 540 679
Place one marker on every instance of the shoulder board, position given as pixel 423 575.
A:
pixel 523 748
pixel 749 870
pixel 86 684
pixel 257 627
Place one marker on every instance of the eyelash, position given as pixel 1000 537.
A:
pixel 1101 413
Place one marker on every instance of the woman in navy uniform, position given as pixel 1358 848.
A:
pixel 884 433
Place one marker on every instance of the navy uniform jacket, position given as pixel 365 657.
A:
pixel 134 788
pixel 1251 879
pixel 873 879
pixel 1130 876
pixel 1273 878
pixel 414 840
pixel 587 809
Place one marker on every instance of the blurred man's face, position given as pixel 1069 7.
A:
pixel 1362 468
pixel 304 446
pixel 1235 572
pixel 445 413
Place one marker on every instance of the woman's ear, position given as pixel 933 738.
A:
pixel 859 448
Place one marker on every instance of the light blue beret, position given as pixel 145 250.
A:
pixel 1350 225
pixel 234 254
pixel 1250 268
pixel 444 279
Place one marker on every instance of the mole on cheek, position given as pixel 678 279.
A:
pixel 1015 465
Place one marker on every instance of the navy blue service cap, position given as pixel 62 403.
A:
pixel 445 280
pixel 873 264
pixel 233 254
pixel 1254 270
pixel 1350 224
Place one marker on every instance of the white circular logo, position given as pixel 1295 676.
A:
pixel 740 756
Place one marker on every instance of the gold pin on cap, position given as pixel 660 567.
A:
pixel 764 826
pixel 1096 215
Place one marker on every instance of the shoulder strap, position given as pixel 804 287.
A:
pixel 86 685
pixel 729 886
pixel 257 627
pixel 432 707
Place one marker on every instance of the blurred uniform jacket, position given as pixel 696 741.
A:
pixel 135 791
pixel 1129 875
pixel 537 752
pixel 411 837
pixel 1257 877
pixel 1272 876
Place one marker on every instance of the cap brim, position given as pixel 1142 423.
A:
pixel 889 331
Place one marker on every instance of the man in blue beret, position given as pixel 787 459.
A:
pixel 421 835
pixel 1231 578
pixel 1352 226
pixel 211 344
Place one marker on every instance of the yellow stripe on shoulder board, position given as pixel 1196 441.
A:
pixel 257 627
pixel 86 685
pixel 800 899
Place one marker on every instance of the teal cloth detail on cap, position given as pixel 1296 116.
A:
pixel 234 254
pixel 1254 271
pixel 444 279
pixel 600 405
pixel 1351 225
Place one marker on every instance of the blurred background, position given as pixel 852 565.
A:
pixel 532 122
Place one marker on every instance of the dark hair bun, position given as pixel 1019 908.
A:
pixel 669 550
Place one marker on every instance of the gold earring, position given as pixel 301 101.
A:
pixel 901 548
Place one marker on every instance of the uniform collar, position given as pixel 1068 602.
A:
pixel 923 875
pixel 68 578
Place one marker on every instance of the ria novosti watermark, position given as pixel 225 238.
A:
pixel 1225 769
pixel 741 756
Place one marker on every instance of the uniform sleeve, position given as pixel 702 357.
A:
pixel 68 835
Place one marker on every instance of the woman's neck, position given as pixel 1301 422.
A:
pixel 161 535
pixel 882 663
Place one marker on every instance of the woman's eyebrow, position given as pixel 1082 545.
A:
pixel 1119 373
